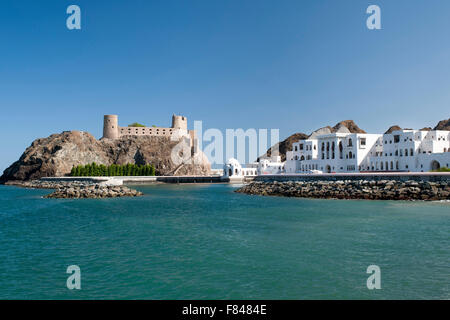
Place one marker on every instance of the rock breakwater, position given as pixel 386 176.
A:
pixel 79 189
pixel 352 189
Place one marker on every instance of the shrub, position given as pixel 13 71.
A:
pixel 129 169
pixel 443 169
pixel 135 124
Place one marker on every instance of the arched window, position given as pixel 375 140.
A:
pixel 340 149
pixel 350 155
pixel 406 152
pixel 396 165
pixel 411 152
pixel 392 165
pixel 302 158
pixel 350 142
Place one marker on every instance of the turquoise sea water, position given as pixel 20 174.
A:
pixel 206 242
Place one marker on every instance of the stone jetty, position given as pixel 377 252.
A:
pixel 79 189
pixel 352 189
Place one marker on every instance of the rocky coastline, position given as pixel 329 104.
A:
pixel 78 189
pixel 352 189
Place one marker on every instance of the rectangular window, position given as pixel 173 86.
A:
pixel 363 141
pixel 396 139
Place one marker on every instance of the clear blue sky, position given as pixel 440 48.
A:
pixel 294 65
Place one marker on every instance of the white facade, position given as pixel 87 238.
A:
pixel 402 150
pixel 233 169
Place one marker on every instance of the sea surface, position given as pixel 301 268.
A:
pixel 206 242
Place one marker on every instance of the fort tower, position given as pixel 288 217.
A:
pixel 179 122
pixel 111 126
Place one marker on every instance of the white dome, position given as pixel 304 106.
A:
pixel 233 162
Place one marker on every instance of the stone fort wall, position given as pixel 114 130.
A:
pixel 112 130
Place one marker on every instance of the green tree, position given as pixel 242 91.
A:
pixel 135 124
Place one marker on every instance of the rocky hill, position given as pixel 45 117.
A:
pixel 443 125
pixel 392 129
pixel 58 153
pixel 286 144
pixel 350 125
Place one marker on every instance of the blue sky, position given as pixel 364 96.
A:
pixel 293 65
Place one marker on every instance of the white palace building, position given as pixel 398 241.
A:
pixel 400 151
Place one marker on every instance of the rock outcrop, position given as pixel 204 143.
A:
pixel 392 129
pixel 92 192
pixel 350 125
pixel 285 145
pixel 443 125
pixel 58 153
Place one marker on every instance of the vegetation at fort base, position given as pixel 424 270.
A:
pixel 95 170
pixel 135 124
pixel 443 169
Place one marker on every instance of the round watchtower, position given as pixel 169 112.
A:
pixel 179 122
pixel 111 126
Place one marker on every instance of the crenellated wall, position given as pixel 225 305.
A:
pixel 112 130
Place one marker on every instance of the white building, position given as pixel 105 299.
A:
pixel 402 150
pixel 233 169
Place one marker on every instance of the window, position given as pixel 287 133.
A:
pixel 301 146
pixel 363 141
pixel 350 143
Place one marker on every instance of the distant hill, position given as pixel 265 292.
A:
pixel 350 125
pixel 443 125
pixel 286 145
pixel 392 129
pixel 344 126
